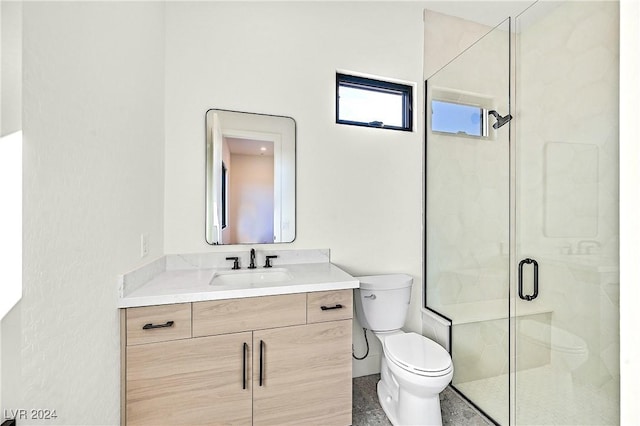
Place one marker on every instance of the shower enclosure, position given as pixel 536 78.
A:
pixel 522 215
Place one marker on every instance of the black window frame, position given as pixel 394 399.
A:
pixel 374 85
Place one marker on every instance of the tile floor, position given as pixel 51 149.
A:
pixel 367 410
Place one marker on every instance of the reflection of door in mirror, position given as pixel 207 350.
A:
pixel 224 188
pixel 214 175
pixel 250 178
pixel 251 190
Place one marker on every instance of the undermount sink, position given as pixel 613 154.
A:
pixel 250 277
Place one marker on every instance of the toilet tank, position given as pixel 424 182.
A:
pixel 382 301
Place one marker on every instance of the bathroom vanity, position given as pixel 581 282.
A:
pixel 260 347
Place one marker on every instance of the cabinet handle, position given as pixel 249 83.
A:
pixel 152 326
pixel 326 308
pixel 244 365
pixel 261 362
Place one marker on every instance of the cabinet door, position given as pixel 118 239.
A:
pixel 193 381
pixel 306 375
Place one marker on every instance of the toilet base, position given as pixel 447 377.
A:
pixel 404 408
pixel 387 403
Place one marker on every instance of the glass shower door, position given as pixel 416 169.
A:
pixel 467 215
pixel 565 276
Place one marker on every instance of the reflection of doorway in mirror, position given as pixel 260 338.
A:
pixel 252 190
pixel 261 131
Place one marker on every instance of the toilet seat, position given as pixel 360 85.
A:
pixel 417 354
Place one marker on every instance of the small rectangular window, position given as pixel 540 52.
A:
pixel 368 102
pixel 457 118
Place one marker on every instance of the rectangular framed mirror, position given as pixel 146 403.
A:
pixel 250 178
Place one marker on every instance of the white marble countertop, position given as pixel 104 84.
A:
pixel 158 283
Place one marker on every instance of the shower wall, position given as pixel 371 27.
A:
pixel 467 211
pixel 445 37
pixel 567 187
pixel 567 94
pixel 549 193
pixel 468 184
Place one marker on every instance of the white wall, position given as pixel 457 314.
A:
pixel 358 189
pixel 629 211
pixel 10 228
pixel 93 178
pixel 11 70
pixel 10 123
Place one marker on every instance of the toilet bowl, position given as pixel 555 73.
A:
pixel 414 369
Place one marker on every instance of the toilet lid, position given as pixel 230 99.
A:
pixel 417 353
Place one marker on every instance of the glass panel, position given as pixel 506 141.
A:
pixel 566 217
pixel 448 117
pixel 467 225
pixel 367 106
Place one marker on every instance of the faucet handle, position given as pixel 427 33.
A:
pixel 236 262
pixel 267 263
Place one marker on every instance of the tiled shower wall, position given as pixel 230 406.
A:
pixel 567 100
pixel 567 97
pixel 468 184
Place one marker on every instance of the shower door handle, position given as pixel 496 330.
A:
pixel 523 296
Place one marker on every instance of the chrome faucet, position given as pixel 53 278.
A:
pixel 252 264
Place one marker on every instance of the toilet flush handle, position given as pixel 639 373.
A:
pixel 371 296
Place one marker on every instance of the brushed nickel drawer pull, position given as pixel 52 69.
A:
pixel 326 308
pixel 152 326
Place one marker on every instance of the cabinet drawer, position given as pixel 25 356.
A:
pixel 252 313
pixel 151 324
pixel 329 305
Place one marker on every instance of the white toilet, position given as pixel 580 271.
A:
pixel 414 369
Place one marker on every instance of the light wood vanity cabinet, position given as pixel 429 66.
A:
pixel 252 313
pixel 269 360
pixel 306 377
pixel 151 324
pixel 193 381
